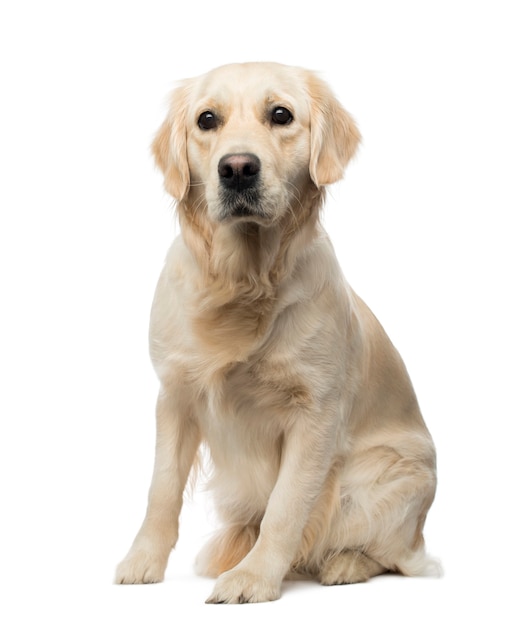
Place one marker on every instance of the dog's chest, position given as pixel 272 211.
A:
pixel 238 358
pixel 258 398
pixel 227 333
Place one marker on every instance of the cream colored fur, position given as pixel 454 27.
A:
pixel 322 462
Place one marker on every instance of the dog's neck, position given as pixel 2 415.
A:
pixel 244 254
pixel 246 257
pixel 241 268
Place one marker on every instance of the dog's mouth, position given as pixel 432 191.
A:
pixel 242 206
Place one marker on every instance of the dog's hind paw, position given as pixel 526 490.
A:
pixel 348 567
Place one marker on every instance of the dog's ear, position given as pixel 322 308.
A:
pixel 170 147
pixel 334 135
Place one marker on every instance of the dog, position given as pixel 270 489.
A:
pixel 323 465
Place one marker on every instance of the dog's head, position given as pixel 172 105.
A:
pixel 245 141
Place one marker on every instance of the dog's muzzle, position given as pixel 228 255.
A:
pixel 239 176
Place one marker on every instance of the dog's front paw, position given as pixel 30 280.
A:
pixel 241 586
pixel 140 567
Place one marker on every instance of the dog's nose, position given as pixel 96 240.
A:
pixel 239 171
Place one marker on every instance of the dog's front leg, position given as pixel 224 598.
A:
pixel 177 441
pixel 305 464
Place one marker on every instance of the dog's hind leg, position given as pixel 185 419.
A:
pixel 386 497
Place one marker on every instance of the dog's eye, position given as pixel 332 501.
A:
pixel 281 115
pixel 207 120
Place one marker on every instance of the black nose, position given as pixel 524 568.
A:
pixel 239 171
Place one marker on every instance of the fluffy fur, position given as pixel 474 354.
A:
pixel 322 462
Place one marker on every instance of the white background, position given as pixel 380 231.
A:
pixel 429 226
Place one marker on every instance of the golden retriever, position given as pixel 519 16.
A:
pixel 322 462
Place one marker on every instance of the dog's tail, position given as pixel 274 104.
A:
pixel 225 549
pixel 421 564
